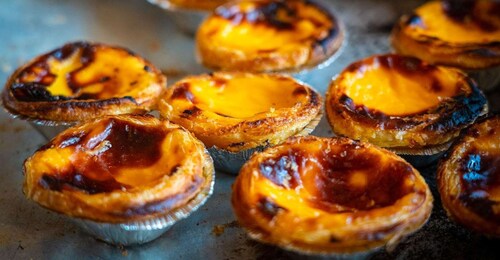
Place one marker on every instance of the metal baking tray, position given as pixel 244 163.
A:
pixel 31 27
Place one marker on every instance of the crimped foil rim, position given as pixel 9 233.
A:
pixel 171 217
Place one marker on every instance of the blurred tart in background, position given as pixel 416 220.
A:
pixel 463 34
pixel 268 36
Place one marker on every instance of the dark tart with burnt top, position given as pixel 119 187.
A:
pixel 270 35
pixel 469 178
pixel 81 81
pixel 462 34
pixel 120 169
pixel 330 196
pixel 402 103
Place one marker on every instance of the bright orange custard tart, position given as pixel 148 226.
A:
pixel 469 178
pixel 119 169
pixel 268 35
pixel 239 111
pixel 81 81
pixel 463 34
pixel 330 196
pixel 402 103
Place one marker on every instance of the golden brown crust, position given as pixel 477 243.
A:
pixel 239 111
pixel 412 37
pixel 117 169
pixel 329 196
pixel 300 35
pixel 469 178
pixel 94 84
pixel 432 126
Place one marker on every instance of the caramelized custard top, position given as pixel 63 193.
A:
pixel 110 155
pixel 479 170
pixel 457 22
pixel 239 96
pixel 337 178
pixel 83 71
pixel 268 26
pixel 396 85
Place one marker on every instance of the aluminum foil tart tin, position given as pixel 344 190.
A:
pixel 231 162
pixel 143 231
pixel 187 20
pixel 488 79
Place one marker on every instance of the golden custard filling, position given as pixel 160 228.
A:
pixel 85 71
pixel 397 87
pixel 465 22
pixel 238 98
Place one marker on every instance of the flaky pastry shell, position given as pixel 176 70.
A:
pixel 81 81
pixel 268 36
pixel 469 178
pixel 329 196
pixel 118 169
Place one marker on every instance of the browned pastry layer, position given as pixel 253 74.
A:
pixel 401 102
pixel 81 81
pixel 326 196
pixel 463 34
pixel 271 35
pixel 469 178
pixel 117 169
pixel 239 111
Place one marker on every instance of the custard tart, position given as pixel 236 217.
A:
pixel 133 171
pixel 330 196
pixel 237 112
pixel 81 81
pixel 268 36
pixel 462 34
pixel 469 178
pixel 403 103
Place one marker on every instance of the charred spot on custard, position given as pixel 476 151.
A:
pixel 78 181
pixel 300 91
pixel 373 116
pixel 192 112
pixel 33 92
pixel 268 207
pixel 479 174
pixel 356 180
pixel 182 92
pixel 284 170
